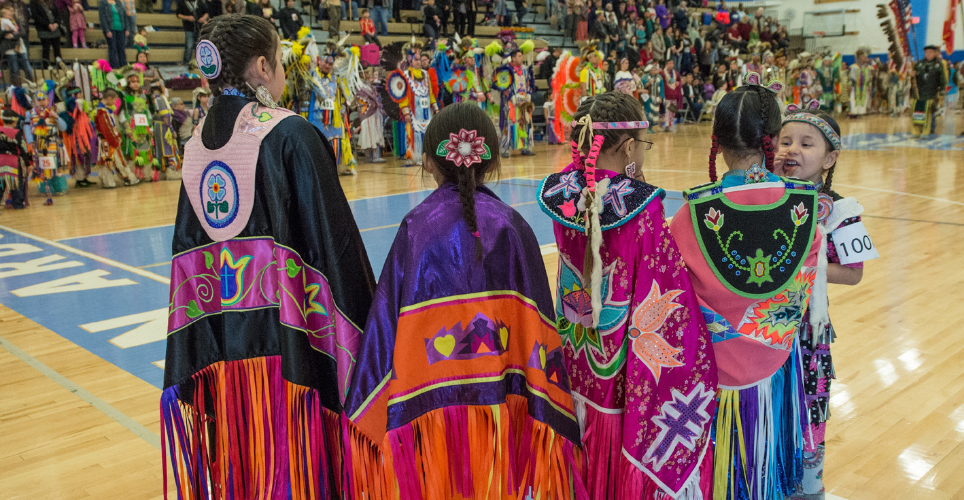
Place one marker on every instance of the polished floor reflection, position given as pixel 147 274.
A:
pixel 81 369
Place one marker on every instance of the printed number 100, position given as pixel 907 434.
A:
pixel 857 245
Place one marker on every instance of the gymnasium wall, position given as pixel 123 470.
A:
pixel 932 14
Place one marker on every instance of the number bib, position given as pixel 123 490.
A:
pixel 854 244
pixel 328 104
pixel 47 162
pixel 423 107
pixel 140 120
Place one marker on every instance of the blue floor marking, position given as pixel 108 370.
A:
pixel 125 325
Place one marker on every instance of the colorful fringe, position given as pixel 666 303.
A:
pixel 611 476
pixel 758 432
pixel 479 452
pixel 248 433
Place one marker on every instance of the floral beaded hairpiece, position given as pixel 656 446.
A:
pixel 464 149
pixel 805 116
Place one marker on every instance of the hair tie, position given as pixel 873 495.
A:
pixel 464 149
pixel 811 105
pixel 476 234
pixel 754 79
pixel 586 122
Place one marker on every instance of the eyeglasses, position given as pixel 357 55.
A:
pixel 647 145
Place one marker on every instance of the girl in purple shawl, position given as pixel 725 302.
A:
pixel 639 355
pixel 462 390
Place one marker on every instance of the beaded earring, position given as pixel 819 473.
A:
pixel 263 95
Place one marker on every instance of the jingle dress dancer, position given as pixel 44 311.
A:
pixel 269 287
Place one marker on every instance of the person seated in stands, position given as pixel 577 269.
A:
pixel 693 95
pixel 290 20
pixel 431 22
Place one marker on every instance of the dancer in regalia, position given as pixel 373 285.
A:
pixel 79 139
pixel 44 127
pixel 591 76
pixel 515 84
pixel 137 130
pixel 750 245
pixel 639 356
pixel 465 82
pixel 930 83
pixel 411 88
pixel 461 389
pixel 270 284
pixel 15 162
pixel 810 149
pixel 110 161
pixel 826 78
pixel 329 106
pixel 861 83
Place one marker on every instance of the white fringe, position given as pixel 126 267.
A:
pixel 595 239
pixel 819 317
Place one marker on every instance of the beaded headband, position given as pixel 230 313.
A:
pixel 805 117
pixel 464 149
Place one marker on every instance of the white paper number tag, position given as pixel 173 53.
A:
pixel 328 104
pixel 854 244
pixel 47 162
pixel 423 102
pixel 140 120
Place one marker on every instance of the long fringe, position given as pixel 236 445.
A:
pixel 611 476
pixel 479 452
pixel 759 438
pixel 248 433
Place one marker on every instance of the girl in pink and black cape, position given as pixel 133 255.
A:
pixel 638 353
pixel 461 389
pixel 750 244
pixel 269 285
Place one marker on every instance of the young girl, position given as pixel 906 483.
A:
pixel 78 24
pixel 140 41
pixel 634 341
pixel 750 244
pixel 462 391
pixel 269 284
pixel 201 98
pixel 809 150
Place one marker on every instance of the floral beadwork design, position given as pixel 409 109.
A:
pixel 219 194
pixel 464 149
pixel 756 265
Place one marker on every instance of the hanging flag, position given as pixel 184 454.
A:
pixel 950 25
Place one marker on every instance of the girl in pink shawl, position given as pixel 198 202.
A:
pixel 638 353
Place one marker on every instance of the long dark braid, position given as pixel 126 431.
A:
pixel 239 38
pixel 766 102
pixel 466 184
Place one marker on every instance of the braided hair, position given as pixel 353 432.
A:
pixel 240 38
pixel 608 107
pixel 747 120
pixel 452 119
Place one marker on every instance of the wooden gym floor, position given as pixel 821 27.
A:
pixel 79 417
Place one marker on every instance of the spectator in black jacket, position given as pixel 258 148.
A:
pixel 290 20
pixel 46 18
pixel 431 21
pixel 548 65
pixel 693 96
